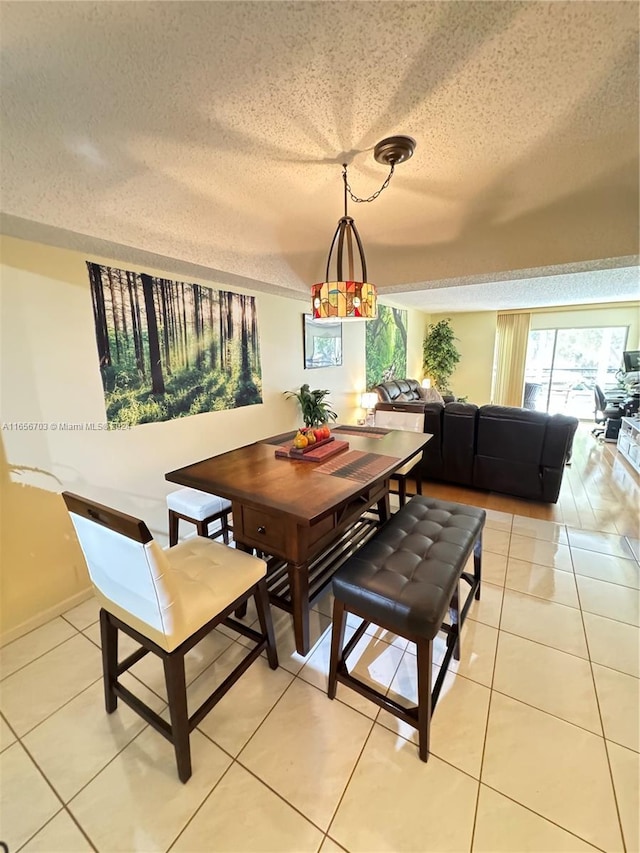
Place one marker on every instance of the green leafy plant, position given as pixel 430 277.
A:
pixel 440 355
pixel 315 409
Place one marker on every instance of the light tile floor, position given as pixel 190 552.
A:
pixel 535 740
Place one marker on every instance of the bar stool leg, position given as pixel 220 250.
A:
pixel 173 528
pixel 224 521
pixel 402 490
pixel 177 695
pixel 261 599
pixel 109 643
pixel 202 528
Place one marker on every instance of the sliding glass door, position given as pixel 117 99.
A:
pixel 564 365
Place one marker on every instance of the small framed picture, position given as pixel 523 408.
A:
pixel 322 343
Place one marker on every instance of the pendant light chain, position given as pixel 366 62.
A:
pixel 371 197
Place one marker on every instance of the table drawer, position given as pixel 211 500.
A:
pixel 262 527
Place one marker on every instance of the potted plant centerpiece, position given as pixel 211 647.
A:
pixel 316 414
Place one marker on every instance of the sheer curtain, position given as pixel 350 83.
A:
pixel 513 337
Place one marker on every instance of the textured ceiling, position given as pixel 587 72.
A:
pixel 211 134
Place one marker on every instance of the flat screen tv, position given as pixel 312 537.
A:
pixel 631 360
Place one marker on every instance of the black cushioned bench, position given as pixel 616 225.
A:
pixel 405 580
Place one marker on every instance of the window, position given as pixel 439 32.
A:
pixel 568 363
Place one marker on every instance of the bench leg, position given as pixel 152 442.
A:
pixel 424 661
pixel 453 635
pixel 477 564
pixel 418 477
pixel 337 644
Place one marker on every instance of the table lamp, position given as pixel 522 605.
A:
pixel 426 383
pixel 368 401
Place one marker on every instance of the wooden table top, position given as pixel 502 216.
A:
pixel 252 475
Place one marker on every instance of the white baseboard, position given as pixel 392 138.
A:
pixel 45 616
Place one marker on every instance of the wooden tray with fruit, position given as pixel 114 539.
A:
pixel 307 445
pixel 300 451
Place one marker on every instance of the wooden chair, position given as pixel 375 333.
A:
pixel 199 508
pixel 166 600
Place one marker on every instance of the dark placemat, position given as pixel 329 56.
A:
pixel 370 432
pixel 357 465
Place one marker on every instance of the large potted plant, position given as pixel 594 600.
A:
pixel 440 355
pixel 315 409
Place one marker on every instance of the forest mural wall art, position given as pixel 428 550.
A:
pixel 386 346
pixel 169 349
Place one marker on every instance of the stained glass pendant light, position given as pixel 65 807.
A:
pixel 347 297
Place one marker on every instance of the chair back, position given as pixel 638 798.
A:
pixel 126 565
pixel 409 421
pixel 601 400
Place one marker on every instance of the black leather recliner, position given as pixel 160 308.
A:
pixel 403 393
pixel 499 448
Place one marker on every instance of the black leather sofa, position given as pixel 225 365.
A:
pixel 498 448
pixel 404 392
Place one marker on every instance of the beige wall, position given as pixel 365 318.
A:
pixel 49 374
pixel 476 335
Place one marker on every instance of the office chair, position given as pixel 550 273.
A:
pixel 531 391
pixel 604 410
pixel 167 600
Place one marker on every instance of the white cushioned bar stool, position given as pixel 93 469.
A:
pixel 167 600
pixel 199 508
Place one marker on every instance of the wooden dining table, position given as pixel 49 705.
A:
pixel 305 517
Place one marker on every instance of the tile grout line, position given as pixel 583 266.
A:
pixel 59 796
pixel 543 817
pixel 39 657
pixel 374 722
pixel 486 728
pixel 604 738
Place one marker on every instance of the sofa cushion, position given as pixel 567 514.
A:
pixel 432 454
pixel 430 395
pixel 458 441
pixel 507 432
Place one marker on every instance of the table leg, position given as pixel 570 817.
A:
pixel 384 508
pixel 299 587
